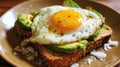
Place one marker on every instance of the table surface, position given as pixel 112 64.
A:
pixel 5 5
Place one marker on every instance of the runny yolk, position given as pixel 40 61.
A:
pixel 66 20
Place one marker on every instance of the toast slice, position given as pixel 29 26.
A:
pixel 22 32
pixel 55 59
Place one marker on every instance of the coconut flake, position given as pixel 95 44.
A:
pixel 107 46
pixel 75 65
pixel 100 55
pixel 15 53
pixel 114 43
pixel 90 60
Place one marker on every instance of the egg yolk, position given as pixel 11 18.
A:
pixel 66 20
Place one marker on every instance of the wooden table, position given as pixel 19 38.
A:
pixel 7 4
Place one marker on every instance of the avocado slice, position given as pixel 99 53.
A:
pixel 34 13
pixel 70 3
pixel 94 36
pixel 25 20
pixel 69 48
pixel 98 13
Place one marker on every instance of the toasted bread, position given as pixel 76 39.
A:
pixel 22 32
pixel 55 59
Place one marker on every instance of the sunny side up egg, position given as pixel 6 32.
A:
pixel 60 25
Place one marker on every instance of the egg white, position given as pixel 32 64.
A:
pixel 43 33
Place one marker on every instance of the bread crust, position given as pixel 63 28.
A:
pixel 22 32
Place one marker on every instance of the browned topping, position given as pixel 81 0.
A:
pixel 89 7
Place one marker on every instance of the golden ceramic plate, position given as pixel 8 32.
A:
pixel 8 39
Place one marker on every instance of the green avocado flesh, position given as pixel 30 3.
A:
pixel 69 48
pixel 95 35
pixel 70 3
pixel 98 13
pixel 25 20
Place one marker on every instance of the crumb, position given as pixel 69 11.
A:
pixel 98 54
pixel 75 65
pixel 15 53
pixel 107 46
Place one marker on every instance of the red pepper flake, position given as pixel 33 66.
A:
pixel 69 16
pixel 61 34
pixel 59 22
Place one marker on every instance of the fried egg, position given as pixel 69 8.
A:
pixel 59 25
